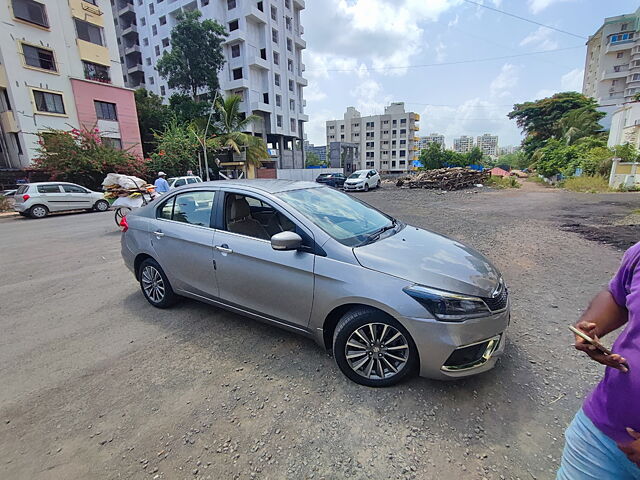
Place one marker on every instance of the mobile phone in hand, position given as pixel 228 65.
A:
pixel 594 342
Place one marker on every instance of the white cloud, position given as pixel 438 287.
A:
pixel 454 22
pixel 572 81
pixel 536 6
pixel 544 93
pixel 504 81
pixel 540 39
pixel 440 51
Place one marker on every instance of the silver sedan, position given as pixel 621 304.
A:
pixel 387 299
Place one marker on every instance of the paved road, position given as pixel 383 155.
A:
pixel 98 384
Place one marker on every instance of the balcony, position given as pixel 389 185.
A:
pixel 237 35
pixel 127 10
pixel 302 81
pixel 237 84
pixel 131 29
pixel 258 62
pixel 299 4
pixel 303 118
pixel 618 46
pixel 297 39
pixel 253 14
pixel 132 49
pixel 260 107
pixel 619 71
pixel 8 122
pixel 135 68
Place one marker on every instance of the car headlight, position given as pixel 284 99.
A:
pixel 447 306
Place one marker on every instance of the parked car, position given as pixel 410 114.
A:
pixel 331 179
pixel 363 180
pixel 37 200
pixel 385 297
pixel 175 182
pixel 8 193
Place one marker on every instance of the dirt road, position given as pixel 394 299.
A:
pixel 98 384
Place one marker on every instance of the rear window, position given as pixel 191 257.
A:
pixel 22 189
pixel 48 189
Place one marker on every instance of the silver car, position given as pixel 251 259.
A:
pixel 37 200
pixel 386 298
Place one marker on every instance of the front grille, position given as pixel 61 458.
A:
pixel 499 302
pixel 464 356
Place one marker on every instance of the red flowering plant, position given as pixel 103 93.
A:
pixel 81 156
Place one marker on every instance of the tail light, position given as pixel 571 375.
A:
pixel 25 197
pixel 124 224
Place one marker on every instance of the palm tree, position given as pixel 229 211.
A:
pixel 578 123
pixel 232 126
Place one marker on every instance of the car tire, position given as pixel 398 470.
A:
pixel 23 214
pixel 392 348
pixel 378 184
pixel 155 285
pixel 101 206
pixel 38 211
pixel 366 187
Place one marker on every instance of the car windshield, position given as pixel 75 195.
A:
pixel 358 174
pixel 171 180
pixel 324 175
pixel 344 218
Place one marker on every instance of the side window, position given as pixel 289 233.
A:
pixel 73 189
pixel 193 208
pixel 252 217
pixel 48 189
pixel 180 182
pixel 192 180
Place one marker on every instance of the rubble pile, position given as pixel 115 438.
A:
pixel 444 179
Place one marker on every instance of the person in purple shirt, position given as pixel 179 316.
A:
pixel 603 440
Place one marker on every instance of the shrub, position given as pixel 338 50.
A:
pixel 5 206
pixel 502 182
pixel 586 184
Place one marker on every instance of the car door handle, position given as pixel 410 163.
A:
pixel 158 234
pixel 224 248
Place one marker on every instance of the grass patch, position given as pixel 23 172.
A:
pixel 502 182
pixel 586 184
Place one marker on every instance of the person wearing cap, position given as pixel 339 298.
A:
pixel 162 186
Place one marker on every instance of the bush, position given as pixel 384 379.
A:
pixel 502 182
pixel 5 206
pixel 586 184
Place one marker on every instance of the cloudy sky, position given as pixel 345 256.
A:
pixel 460 66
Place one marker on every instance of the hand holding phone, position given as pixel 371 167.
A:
pixel 592 347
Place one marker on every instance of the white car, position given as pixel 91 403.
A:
pixel 175 182
pixel 362 180
pixel 38 199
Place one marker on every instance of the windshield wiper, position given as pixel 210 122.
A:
pixel 373 236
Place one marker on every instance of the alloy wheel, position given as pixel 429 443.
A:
pixel 102 206
pixel 377 351
pixel 153 284
pixel 39 212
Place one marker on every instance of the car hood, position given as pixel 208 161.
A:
pixel 355 180
pixel 432 260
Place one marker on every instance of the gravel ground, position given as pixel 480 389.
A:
pixel 98 384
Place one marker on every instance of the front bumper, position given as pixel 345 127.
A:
pixel 346 186
pixel 450 350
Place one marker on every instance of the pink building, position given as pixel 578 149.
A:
pixel 112 110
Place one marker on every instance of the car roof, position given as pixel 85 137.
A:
pixel 264 184
pixel 53 182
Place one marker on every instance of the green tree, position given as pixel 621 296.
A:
pixel 152 117
pixel 313 160
pixel 186 109
pixel 196 56
pixel 79 156
pixel 474 157
pixel 232 126
pixel 627 152
pixel 178 149
pixel 516 160
pixel 432 157
pixel 579 123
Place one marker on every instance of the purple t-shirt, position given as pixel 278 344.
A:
pixel 613 404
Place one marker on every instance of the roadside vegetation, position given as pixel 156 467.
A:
pixel 502 182
pixel 5 206
pixel 595 184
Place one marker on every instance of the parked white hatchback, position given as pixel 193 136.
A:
pixel 37 200
pixel 175 182
pixel 362 180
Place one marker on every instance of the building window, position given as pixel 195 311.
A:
pixel 403 153
pixel 287 23
pixel 235 50
pixel 48 102
pixel 105 110
pixel 145 42
pixel 204 3
pixel 279 120
pixel 152 9
pixel 231 4
pixel 234 25
pixel 289 44
pixel 239 93
pixel 163 90
pixel 624 26
pixel 96 72
pixel 403 121
pixel 290 65
pixel 278 100
pixel 115 143
pixel 276 58
pixel 276 79
pixel 88 32
pixel 148 60
pixel 291 85
pixel 30 11
pixel 403 131
pixel 154 29
pixel 237 73
pixel 274 13
pixel 162 20
pixel 157 50
pixel 260 6
pixel 619 54
pixel 152 81
pixel 165 42
pixel 274 35
pixel 39 57
pixel 143 22
pixel 293 124
pixel 287 3
pixel 292 105
pixel 16 138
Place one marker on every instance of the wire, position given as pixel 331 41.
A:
pixel 526 19
pixel 458 62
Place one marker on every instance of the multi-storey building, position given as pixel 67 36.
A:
pixel 612 67
pixel 319 150
pixel 508 149
pixel 463 144
pixel 263 54
pixel 387 142
pixel 488 144
pixel 59 69
pixel 424 142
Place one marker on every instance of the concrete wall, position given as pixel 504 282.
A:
pixel 624 174
pixel 305 174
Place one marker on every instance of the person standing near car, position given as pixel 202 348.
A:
pixel 603 440
pixel 162 186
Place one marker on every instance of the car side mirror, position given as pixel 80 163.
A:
pixel 286 241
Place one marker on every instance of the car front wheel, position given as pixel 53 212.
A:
pixel 366 187
pixel 101 206
pixel 155 285
pixel 373 349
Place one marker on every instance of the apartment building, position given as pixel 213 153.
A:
pixel 387 142
pixel 424 142
pixel 488 144
pixel 263 54
pixel 319 150
pixel 612 67
pixel 59 69
pixel 463 144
